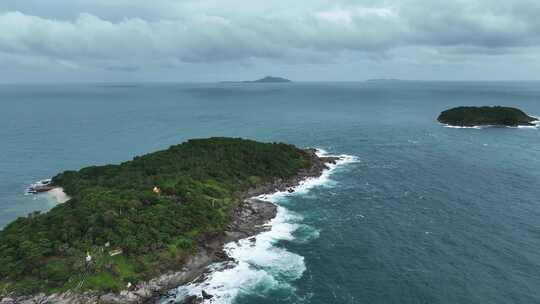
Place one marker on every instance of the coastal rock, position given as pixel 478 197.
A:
pixel 65 298
pixel 192 300
pixel 206 295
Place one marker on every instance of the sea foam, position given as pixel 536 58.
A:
pixel 55 195
pixel 310 183
pixel 536 125
pixel 258 263
pixel 464 127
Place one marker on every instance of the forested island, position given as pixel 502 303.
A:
pixel 130 226
pixel 482 116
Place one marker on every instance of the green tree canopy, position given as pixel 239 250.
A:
pixel 200 181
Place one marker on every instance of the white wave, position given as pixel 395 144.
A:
pixel 464 127
pixel 55 195
pixel 305 233
pixel 310 183
pixel 258 263
pixel 536 125
pixel 40 183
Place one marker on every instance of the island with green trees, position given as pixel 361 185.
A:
pixel 149 224
pixel 486 116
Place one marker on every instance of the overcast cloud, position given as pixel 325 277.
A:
pixel 126 40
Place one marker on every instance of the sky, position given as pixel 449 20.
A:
pixel 303 40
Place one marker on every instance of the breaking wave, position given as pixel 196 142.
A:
pixel 536 125
pixel 260 265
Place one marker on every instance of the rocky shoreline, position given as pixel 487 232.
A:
pixel 248 220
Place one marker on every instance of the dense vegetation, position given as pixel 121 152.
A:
pixel 478 116
pixel 113 207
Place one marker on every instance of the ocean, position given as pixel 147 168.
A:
pixel 417 212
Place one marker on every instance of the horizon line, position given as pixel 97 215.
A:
pixel 371 80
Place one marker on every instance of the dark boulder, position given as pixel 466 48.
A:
pixel 192 300
pixel 206 295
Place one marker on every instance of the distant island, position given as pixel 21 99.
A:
pixel 149 224
pixel 271 79
pixel 267 79
pixel 384 80
pixel 482 116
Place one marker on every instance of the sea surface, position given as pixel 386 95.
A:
pixel 417 213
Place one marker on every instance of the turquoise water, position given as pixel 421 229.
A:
pixel 426 214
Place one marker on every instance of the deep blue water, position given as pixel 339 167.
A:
pixel 428 214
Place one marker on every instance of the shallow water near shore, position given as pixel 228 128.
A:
pixel 426 214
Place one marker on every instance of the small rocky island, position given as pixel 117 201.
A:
pixel 486 116
pixel 134 230
pixel 267 79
